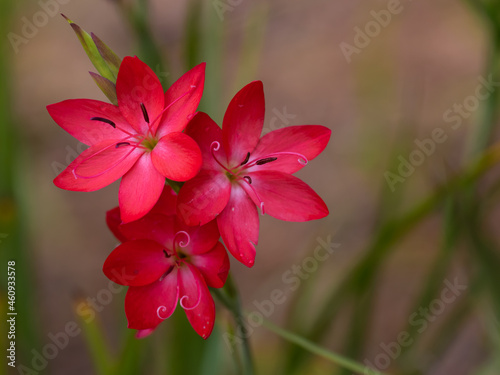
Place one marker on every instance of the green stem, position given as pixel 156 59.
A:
pixel 339 360
pixel 229 297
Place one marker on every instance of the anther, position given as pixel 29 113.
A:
pixel 167 272
pixel 166 254
pixel 265 161
pixel 246 159
pixel 248 179
pixel 145 113
pixel 102 119
pixel 120 144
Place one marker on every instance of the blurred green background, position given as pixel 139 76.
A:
pixel 413 283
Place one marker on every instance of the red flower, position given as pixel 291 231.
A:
pixel 241 171
pixel 164 261
pixel 141 139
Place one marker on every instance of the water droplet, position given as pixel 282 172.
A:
pixel 193 86
pixel 232 209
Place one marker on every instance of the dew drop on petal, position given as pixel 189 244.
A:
pixel 193 86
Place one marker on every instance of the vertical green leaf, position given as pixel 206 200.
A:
pixel 96 344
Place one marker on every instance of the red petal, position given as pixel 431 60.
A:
pixel 213 265
pixel 143 333
pixel 286 197
pixel 167 203
pixel 183 98
pixel 114 220
pixel 177 157
pixel 75 116
pixel 140 189
pixel 243 122
pixel 136 263
pixel 239 226
pixel 308 140
pixel 196 300
pixel 202 198
pixel 147 306
pixel 137 84
pixel 205 131
pixel 98 166
pixel 155 227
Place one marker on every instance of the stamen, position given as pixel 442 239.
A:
pixel 249 183
pixel 215 146
pixel 181 243
pixel 265 161
pixel 169 269
pixel 145 113
pixel 120 144
pixel 99 152
pixel 109 122
pixel 198 289
pixel 246 159
pixel 163 313
pixel 274 156
pixel 167 255
pixel 102 119
pixel 160 310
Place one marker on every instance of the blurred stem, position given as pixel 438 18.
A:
pixel 193 33
pixel 434 279
pixel 96 344
pixel 137 16
pixel 488 260
pixel 253 40
pixel 483 249
pixel 449 331
pixel 438 271
pixel 318 350
pixel 212 52
pixel 129 360
pixel 485 131
pixel 230 298
pixel 361 277
pixel 359 325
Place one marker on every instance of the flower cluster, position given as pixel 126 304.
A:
pixel 170 250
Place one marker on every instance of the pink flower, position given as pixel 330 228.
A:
pixel 242 171
pixel 163 261
pixel 141 139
